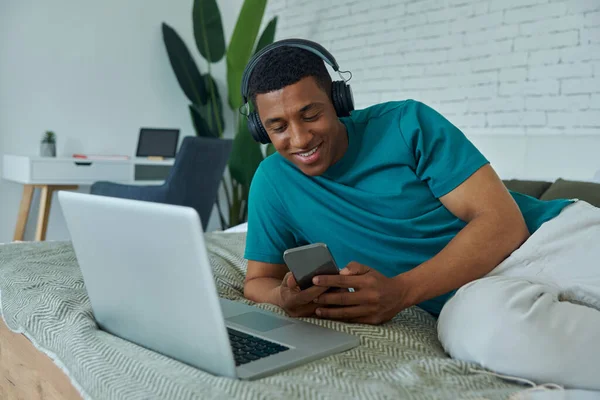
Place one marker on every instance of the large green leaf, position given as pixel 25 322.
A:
pixel 185 69
pixel 267 36
pixel 270 149
pixel 200 125
pixel 241 47
pixel 237 202
pixel 208 30
pixel 208 114
pixel 214 106
pixel 245 156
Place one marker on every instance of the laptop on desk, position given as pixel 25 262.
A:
pixel 149 280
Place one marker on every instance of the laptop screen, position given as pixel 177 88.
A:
pixel 155 142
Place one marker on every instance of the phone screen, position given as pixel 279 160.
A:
pixel 305 275
pixel 305 262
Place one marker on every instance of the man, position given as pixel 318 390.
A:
pixel 413 211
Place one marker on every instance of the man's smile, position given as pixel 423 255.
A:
pixel 309 157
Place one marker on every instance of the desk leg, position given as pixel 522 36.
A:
pixel 44 212
pixel 45 204
pixel 23 212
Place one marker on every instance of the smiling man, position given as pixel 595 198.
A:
pixel 405 202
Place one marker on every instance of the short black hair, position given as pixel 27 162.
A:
pixel 284 66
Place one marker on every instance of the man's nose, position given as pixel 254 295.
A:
pixel 300 138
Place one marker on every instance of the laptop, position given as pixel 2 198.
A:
pixel 147 273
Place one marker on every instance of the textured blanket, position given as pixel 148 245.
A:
pixel 43 296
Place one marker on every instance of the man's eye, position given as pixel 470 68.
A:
pixel 311 117
pixel 278 129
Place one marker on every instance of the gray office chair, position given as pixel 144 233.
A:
pixel 193 181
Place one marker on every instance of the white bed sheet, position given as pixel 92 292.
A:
pixel 238 228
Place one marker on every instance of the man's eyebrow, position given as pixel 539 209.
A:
pixel 271 121
pixel 310 106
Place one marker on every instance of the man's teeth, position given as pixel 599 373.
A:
pixel 309 153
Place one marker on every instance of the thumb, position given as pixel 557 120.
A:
pixel 354 268
pixel 291 282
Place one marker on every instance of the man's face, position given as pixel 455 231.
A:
pixel 303 126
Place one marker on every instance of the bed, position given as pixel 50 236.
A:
pixel 51 348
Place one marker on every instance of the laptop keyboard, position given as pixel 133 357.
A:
pixel 247 348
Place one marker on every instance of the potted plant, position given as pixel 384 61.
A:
pixel 201 89
pixel 48 145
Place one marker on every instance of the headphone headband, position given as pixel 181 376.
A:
pixel 341 94
pixel 313 47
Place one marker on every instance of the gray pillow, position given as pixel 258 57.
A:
pixel 530 188
pixel 565 189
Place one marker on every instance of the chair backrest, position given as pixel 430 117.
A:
pixel 196 175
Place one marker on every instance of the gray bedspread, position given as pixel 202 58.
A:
pixel 43 296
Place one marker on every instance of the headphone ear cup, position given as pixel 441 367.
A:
pixel 348 98
pixel 256 129
pixel 335 99
pixel 341 95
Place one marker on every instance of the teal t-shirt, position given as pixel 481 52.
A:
pixel 379 204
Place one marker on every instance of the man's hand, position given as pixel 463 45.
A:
pixel 296 302
pixel 376 299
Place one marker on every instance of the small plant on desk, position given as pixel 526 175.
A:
pixel 48 145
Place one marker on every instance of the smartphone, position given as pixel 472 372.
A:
pixel 305 262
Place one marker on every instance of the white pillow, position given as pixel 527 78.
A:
pixel 238 228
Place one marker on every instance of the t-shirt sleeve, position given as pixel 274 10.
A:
pixel 443 156
pixel 269 233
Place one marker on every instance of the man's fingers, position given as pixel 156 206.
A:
pixel 285 281
pixel 305 310
pixel 342 281
pixel 291 280
pixel 309 294
pixel 344 313
pixel 342 298
pixel 354 268
pixel 299 297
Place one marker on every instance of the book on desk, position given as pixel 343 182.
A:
pixel 101 157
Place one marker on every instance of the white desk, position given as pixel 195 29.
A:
pixel 50 174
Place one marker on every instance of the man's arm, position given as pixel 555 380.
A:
pixel 495 228
pixel 263 281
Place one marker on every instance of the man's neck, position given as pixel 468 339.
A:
pixel 344 142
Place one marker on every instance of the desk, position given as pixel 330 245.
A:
pixel 50 174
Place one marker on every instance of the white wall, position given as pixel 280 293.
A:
pixel 520 77
pixel 94 72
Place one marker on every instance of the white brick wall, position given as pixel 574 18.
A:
pixel 494 67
